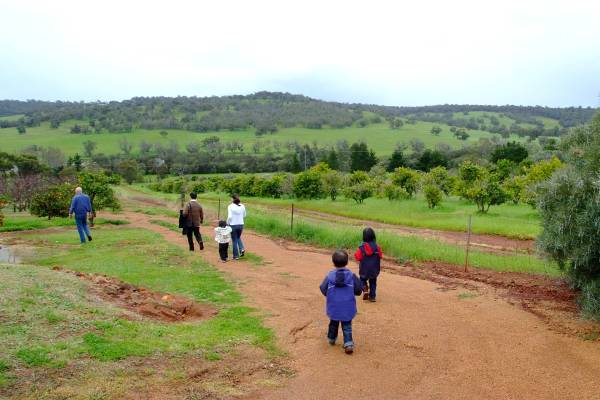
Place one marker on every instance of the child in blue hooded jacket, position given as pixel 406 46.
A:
pixel 340 286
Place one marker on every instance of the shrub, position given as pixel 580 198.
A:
pixel 332 182
pixel 393 192
pixel 308 185
pixel 3 202
pixel 271 187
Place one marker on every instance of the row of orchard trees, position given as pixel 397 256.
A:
pixel 27 185
pixel 484 186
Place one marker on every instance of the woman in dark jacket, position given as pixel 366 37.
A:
pixel 369 257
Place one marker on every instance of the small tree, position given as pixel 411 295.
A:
pixel 164 134
pixel 512 151
pixel 3 203
pixel 308 185
pixel 396 123
pixel 98 187
pixel 393 192
pixel 53 202
pixel 125 146
pixel 21 129
pixel 88 147
pixel 407 179
pixel 433 195
pixel 436 130
pixel 332 182
pixel 129 169
pixel 358 187
pixel 396 160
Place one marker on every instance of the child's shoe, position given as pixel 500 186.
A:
pixel 366 295
pixel 349 349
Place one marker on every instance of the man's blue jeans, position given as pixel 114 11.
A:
pixel 236 239
pixel 346 330
pixel 82 227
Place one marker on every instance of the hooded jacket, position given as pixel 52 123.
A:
pixel 340 286
pixel 369 256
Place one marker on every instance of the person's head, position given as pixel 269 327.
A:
pixel 340 258
pixel 368 235
pixel 193 195
pixel 235 199
pixel 78 190
pixel 222 224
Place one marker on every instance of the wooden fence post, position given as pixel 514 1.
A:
pixel 292 220
pixel 468 244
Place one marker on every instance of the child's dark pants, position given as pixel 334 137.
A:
pixel 223 247
pixel 346 330
pixel 372 286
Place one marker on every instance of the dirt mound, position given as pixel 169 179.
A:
pixel 150 304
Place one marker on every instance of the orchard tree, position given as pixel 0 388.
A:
pixel 129 169
pixel 97 185
pixel 332 182
pixel 53 202
pixel 3 203
pixel 407 179
pixel 433 195
pixel 436 130
pixel 125 146
pixel 358 186
pixel 396 123
pixel 477 184
pixel 308 185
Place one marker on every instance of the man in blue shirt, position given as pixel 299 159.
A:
pixel 81 206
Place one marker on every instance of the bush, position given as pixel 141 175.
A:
pixel 308 185
pixel 3 202
pixel 53 202
pixel 332 182
pixel 358 186
pixel 393 192
pixel 433 195
pixel 407 179
pixel 272 187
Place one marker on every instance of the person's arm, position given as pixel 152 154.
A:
pixel 72 206
pixel 323 286
pixel 89 205
pixel 358 256
pixel 201 215
pixel 358 287
pixel 244 211
pixel 380 252
pixel 186 210
pixel 228 215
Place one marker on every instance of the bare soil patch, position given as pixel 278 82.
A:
pixel 158 306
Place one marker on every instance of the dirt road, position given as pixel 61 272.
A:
pixel 419 341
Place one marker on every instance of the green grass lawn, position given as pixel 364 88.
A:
pixel 380 137
pixel 49 320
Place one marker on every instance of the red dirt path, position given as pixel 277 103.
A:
pixel 432 337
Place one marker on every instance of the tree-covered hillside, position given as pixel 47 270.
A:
pixel 267 112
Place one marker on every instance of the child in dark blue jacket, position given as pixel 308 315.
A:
pixel 369 257
pixel 340 286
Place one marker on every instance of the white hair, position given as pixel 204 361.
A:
pixel 78 190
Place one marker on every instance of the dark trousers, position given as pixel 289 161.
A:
pixel 372 286
pixel 196 232
pixel 346 331
pixel 223 247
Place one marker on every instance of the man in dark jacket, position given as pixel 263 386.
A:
pixel 340 286
pixel 81 206
pixel 194 217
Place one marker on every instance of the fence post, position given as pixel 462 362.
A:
pixel 219 210
pixel 292 220
pixel 468 244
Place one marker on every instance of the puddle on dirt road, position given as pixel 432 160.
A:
pixel 9 255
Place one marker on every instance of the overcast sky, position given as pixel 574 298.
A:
pixel 385 52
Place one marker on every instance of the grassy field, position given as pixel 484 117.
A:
pixel 51 324
pixel 339 235
pixel 515 221
pixel 24 222
pixel 379 136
